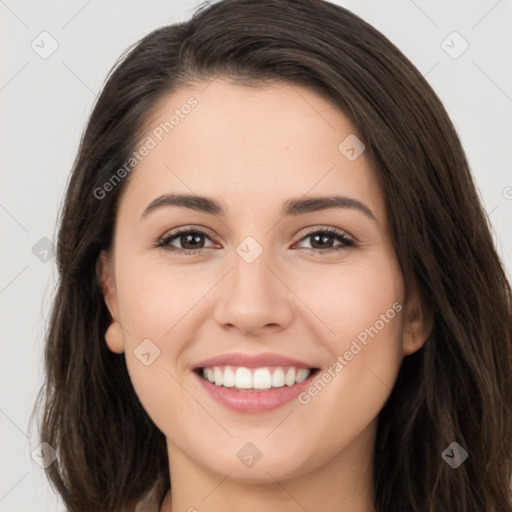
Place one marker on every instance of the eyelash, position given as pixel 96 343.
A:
pixel 164 242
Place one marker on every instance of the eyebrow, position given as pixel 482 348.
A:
pixel 291 207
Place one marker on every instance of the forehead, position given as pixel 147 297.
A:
pixel 250 146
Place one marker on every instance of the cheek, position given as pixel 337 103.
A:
pixel 351 297
pixel 154 307
pixel 164 304
pixel 363 306
pixel 348 395
pixel 154 299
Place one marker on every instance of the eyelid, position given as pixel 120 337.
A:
pixel 186 228
pixel 329 229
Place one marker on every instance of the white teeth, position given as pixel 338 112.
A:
pixel 217 374
pixel 289 378
pixel 229 378
pixel 262 379
pixel 243 378
pixel 302 374
pixel 258 378
pixel 278 378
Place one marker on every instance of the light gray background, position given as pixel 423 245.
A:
pixel 44 107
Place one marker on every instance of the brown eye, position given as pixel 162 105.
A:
pixel 322 240
pixel 189 240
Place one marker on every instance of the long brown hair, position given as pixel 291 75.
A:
pixel 457 388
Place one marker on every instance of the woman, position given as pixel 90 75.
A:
pixel 278 288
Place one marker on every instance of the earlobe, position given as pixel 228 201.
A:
pixel 418 325
pixel 114 338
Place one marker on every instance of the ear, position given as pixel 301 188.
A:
pixel 105 274
pixel 418 325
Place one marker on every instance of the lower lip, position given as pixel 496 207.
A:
pixel 248 401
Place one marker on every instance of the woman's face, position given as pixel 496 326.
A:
pixel 266 291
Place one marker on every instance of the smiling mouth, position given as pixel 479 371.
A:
pixel 268 378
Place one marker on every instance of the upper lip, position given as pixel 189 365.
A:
pixel 251 361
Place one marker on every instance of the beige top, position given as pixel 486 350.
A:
pixel 152 501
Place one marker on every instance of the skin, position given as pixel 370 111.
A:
pixel 252 149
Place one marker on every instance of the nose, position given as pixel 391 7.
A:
pixel 254 297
